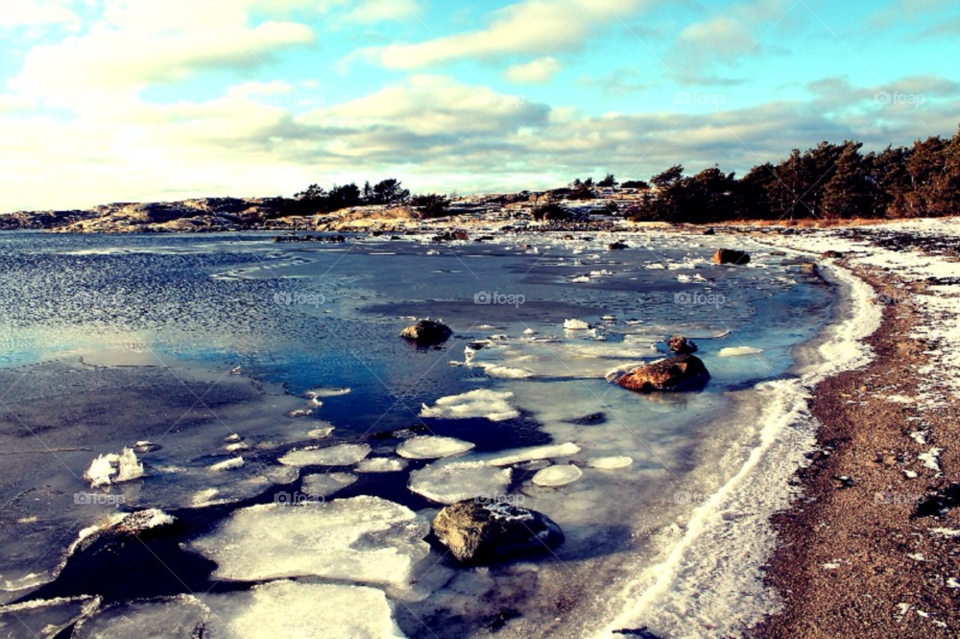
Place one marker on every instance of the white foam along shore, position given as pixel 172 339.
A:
pixel 688 593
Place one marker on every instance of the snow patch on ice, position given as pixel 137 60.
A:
pixel 478 403
pixel 114 469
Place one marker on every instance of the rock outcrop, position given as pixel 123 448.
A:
pixel 681 345
pixel 731 256
pixel 427 333
pixel 681 373
pixel 479 532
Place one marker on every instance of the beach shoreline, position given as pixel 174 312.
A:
pixel 853 557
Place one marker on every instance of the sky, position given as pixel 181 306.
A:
pixel 153 100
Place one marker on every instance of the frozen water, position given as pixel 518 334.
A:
pixel 181 616
pixel 735 351
pixel 508 458
pixel 361 539
pixel 478 403
pixel 231 464
pixel 291 609
pixel 453 481
pixel 432 447
pixel 44 618
pixel 575 325
pixel 559 475
pixel 323 484
pixel 339 455
pixel 610 463
pixel 381 465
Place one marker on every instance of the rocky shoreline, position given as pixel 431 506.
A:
pixel 870 548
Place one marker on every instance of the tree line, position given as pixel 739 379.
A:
pixel 317 200
pixel 830 181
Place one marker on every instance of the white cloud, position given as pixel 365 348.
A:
pixel 137 43
pixel 719 36
pixel 36 12
pixel 530 26
pixel 541 70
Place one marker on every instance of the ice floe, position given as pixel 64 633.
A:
pixel 432 447
pixel 361 540
pixel 736 351
pixel 451 482
pixel 291 609
pixel 478 403
pixel 575 325
pixel 338 455
pixel 559 475
pixel 380 465
pixel 534 453
pixel 610 463
pixel 323 484
pixel 230 464
pixel 180 616
pixel 44 618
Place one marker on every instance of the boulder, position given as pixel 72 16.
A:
pixel 681 345
pixel 835 255
pixel 477 532
pixel 617 246
pixel 684 372
pixel 427 333
pixel 731 256
pixel 710 232
pixel 810 268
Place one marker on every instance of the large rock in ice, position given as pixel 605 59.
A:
pixel 427 333
pixel 480 532
pixel 684 372
pixel 731 256
pixel 361 539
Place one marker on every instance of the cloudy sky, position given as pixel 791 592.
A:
pixel 119 100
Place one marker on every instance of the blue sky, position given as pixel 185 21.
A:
pixel 123 100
